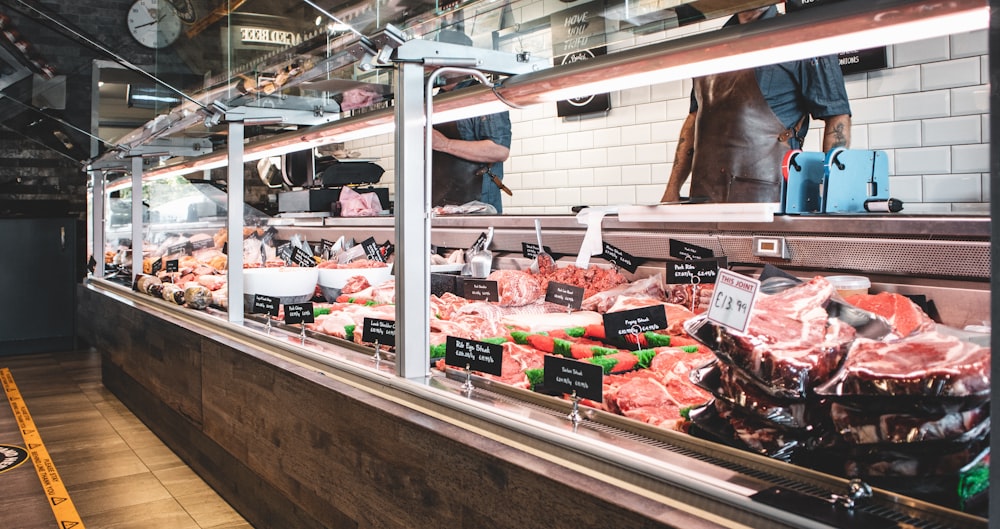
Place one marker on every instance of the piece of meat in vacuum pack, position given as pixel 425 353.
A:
pixel 927 365
pixel 729 384
pixel 791 343
pixel 860 427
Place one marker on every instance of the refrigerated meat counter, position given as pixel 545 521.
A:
pixel 326 434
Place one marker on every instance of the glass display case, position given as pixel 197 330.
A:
pixel 295 100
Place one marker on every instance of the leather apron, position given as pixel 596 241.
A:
pixel 453 180
pixel 740 141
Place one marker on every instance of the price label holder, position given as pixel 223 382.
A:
pixel 283 252
pixel 620 258
pixel 301 258
pixel 379 332
pixel 267 305
pixel 530 251
pixel 480 290
pixel 173 266
pixel 580 380
pixel 156 266
pixel 202 244
pixel 568 296
pixel 479 243
pixel 299 314
pixel 371 250
pixel 694 272
pixel 179 249
pixel 733 298
pixel 473 355
pixel 688 251
pixel 326 247
pixel 626 326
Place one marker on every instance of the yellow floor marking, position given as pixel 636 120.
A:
pixel 55 490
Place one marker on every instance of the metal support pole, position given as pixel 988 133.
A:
pixel 136 217
pixel 234 221
pixel 97 221
pixel 413 227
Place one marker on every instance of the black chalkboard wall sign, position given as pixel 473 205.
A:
pixel 578 34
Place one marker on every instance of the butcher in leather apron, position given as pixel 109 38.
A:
pixel 454 181
pixel 733 141
pixel 740 167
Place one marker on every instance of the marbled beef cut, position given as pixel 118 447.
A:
pixel 929 364
pixel 903 314
pixel 863 427
pixel 517 288
pixel 791 343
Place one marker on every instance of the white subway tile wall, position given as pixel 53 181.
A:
pixel 929 111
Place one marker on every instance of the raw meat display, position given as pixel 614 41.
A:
pixel 650 287
pixel 657 395
pixel 805 383
pixel 902 313
pixel 355 284
pixel 695 298
pixel 879 462
pixel 730 385
pixel 790 345
pixel 929 364
pixel 719 421
pixel 863 427
pixel 593 279
pixel 516 287
pixel 677 315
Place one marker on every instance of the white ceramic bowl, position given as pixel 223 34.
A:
pixel 291 284
pixel 337 277
pixel 331 280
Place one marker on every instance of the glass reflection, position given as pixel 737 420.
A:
pixel 926 109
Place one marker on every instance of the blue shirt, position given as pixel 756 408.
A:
pixel 809 87
pixel 494 127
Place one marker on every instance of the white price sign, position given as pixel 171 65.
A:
pixel 732 300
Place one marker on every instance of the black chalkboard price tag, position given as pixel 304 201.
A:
pixel 700 271
pixel 530 250
pixel 566 295
pixel 201 244
pixel 372 250
pixel 173 266
pixel 480 241
pixel 480 290
pixel 326 245
pixel 569 376
pixel 283 252
pixel 686 250
pixel 179 249
pixel 619 325
pixel 381 331
pixel 156 266
pixel 265 305
pixel 299 313
pixel 302 259
pixel 477 356
pixel 620 258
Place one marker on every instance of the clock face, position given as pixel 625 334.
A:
pixel 154 23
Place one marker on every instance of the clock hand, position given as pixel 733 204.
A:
pixel 151 22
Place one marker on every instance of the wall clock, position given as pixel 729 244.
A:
pixel 154 23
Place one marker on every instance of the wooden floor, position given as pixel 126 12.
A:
pixel 116 472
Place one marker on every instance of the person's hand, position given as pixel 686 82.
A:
pixel 439 141
pixel 670 196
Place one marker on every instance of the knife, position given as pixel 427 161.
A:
pixel 499 183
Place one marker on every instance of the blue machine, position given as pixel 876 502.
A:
pixel 804 181
pixel 840 181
